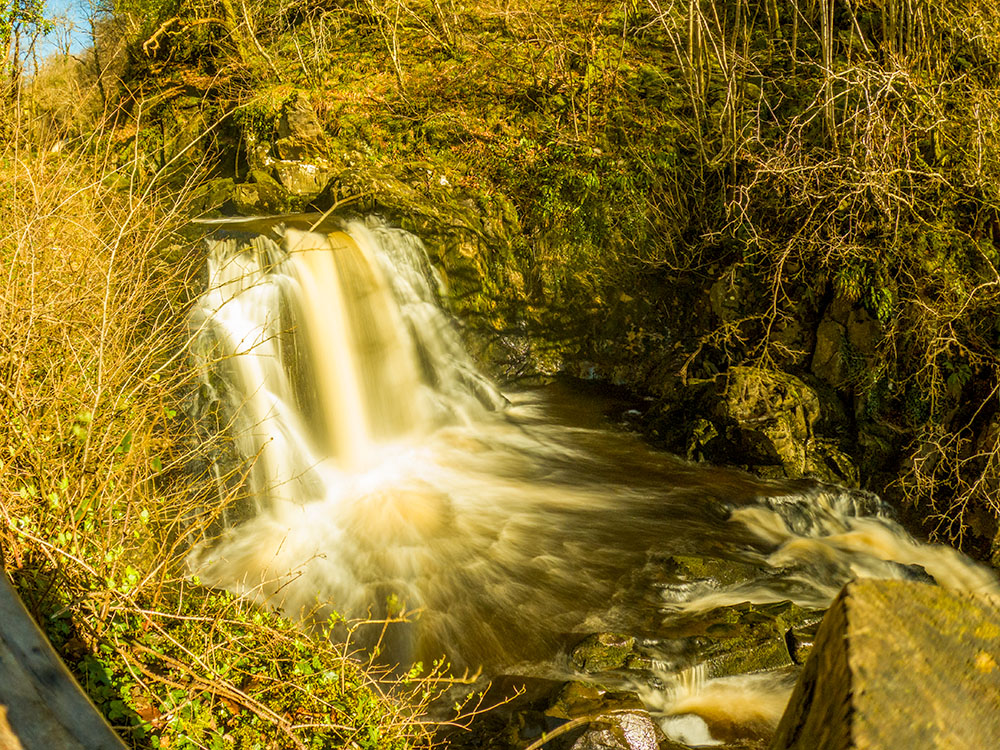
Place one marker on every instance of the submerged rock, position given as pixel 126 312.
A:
pixel 722 572
pixel 899 665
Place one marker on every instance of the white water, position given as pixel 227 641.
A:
pixel 368 460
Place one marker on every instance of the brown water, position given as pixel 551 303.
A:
pixel 381 470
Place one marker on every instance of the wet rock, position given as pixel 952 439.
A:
pixel 723 572
pixel 611 720
pixel 763 420
pixel 899 665
pixel 826 462
pixel 624 730
pixel 744 638
pixel 602 652
pixel 566 716
pixel 576 698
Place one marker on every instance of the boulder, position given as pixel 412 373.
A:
pixel 624 730
pixel 561 716
pixel 899 664
pixel 303 179
pixel 602 720
pixel 745 638
pixel 602 652
pixel 300 134
pixel 776 415
pixel 721 572
pixel 264 195
pixel 766 421
pixel 213 195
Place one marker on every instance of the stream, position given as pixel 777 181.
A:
pixel 367 466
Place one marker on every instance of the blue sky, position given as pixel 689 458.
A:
pixel 71 18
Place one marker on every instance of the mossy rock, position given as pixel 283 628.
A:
pixel 263 195
pixel 603 652
pixel 745 638
pixel 213 195
pixel 723 572
pixel 772 418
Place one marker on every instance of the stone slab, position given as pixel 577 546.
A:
pixel 899 664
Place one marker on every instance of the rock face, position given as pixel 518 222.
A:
pixel 899 665
pixel 846 341
pixel 300 134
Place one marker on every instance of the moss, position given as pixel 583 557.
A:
pixel 603 652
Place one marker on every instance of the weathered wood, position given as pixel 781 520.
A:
pixel 899 664
pixel 41 705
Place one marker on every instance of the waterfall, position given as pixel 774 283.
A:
pixel 365 464
pixel 321 349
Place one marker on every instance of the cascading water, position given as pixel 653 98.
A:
pixel 374 463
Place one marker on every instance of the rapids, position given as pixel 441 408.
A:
pixel 366 465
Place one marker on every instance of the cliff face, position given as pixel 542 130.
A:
pixel 654 196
